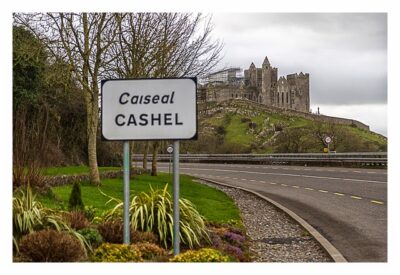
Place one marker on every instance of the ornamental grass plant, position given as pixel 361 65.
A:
pixel 153 212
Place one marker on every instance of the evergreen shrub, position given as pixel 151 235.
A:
pixel 108 252
pixel 92 236
pixel 202 255
pixel 75 199
pixel 150 251
pixel 77 220
pixel 142 237
pixel 112 231
pixel 51 246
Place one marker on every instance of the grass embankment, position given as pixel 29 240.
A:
pixel 213 204
pixel 250 132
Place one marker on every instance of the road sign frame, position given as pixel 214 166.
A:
pixel 194 137
pixel 125 139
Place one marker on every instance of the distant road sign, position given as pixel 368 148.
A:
pixel 170 149
pixel 149 109
pixel 328 139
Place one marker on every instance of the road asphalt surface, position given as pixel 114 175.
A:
pixel 348 206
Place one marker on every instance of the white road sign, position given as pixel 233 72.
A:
pixel 146 109
pixel 328 139
pixel 170 149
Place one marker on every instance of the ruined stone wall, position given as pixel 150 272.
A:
pixel 303 85
pixel 221 93
pixel 299 91
pixel 282 98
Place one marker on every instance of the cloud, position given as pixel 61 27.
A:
pixel 345 54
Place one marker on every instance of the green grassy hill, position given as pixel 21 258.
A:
pixel 246 127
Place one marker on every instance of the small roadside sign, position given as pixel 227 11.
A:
pixel 170 149
pixel 328 139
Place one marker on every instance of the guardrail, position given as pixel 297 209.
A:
pixel 328 159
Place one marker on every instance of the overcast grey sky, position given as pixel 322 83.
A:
pixel 345 54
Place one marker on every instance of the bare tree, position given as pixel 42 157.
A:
pixel 81 40
pixel 165 45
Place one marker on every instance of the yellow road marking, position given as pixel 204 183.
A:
pixel 338 194
pixel 323 191
pixel 295 186
pixel 283 184
pixel 272 183
pixel 355 197
pixel 377 202
pixel 309 188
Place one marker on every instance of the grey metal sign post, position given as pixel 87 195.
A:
pixel 149 109
pixel 170 149
pixel 126 236
pixel 176 237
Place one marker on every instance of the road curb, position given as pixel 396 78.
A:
pixel 329 248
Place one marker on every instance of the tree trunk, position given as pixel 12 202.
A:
pixel 156 145
pixel 92 105
pixel 146 150
pixel 92 119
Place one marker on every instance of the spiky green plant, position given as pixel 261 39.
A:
pixel 28 213
pixel 29 216
pixel 153 211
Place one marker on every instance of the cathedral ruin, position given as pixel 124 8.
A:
pixel 260 85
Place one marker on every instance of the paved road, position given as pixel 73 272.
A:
pixel 348 206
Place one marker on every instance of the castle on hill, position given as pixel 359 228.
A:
pixel 260 85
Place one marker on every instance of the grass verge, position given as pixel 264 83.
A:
pixel 213 204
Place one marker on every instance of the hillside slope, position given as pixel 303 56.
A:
pixel 245 127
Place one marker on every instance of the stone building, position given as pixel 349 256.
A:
pixel 260 85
